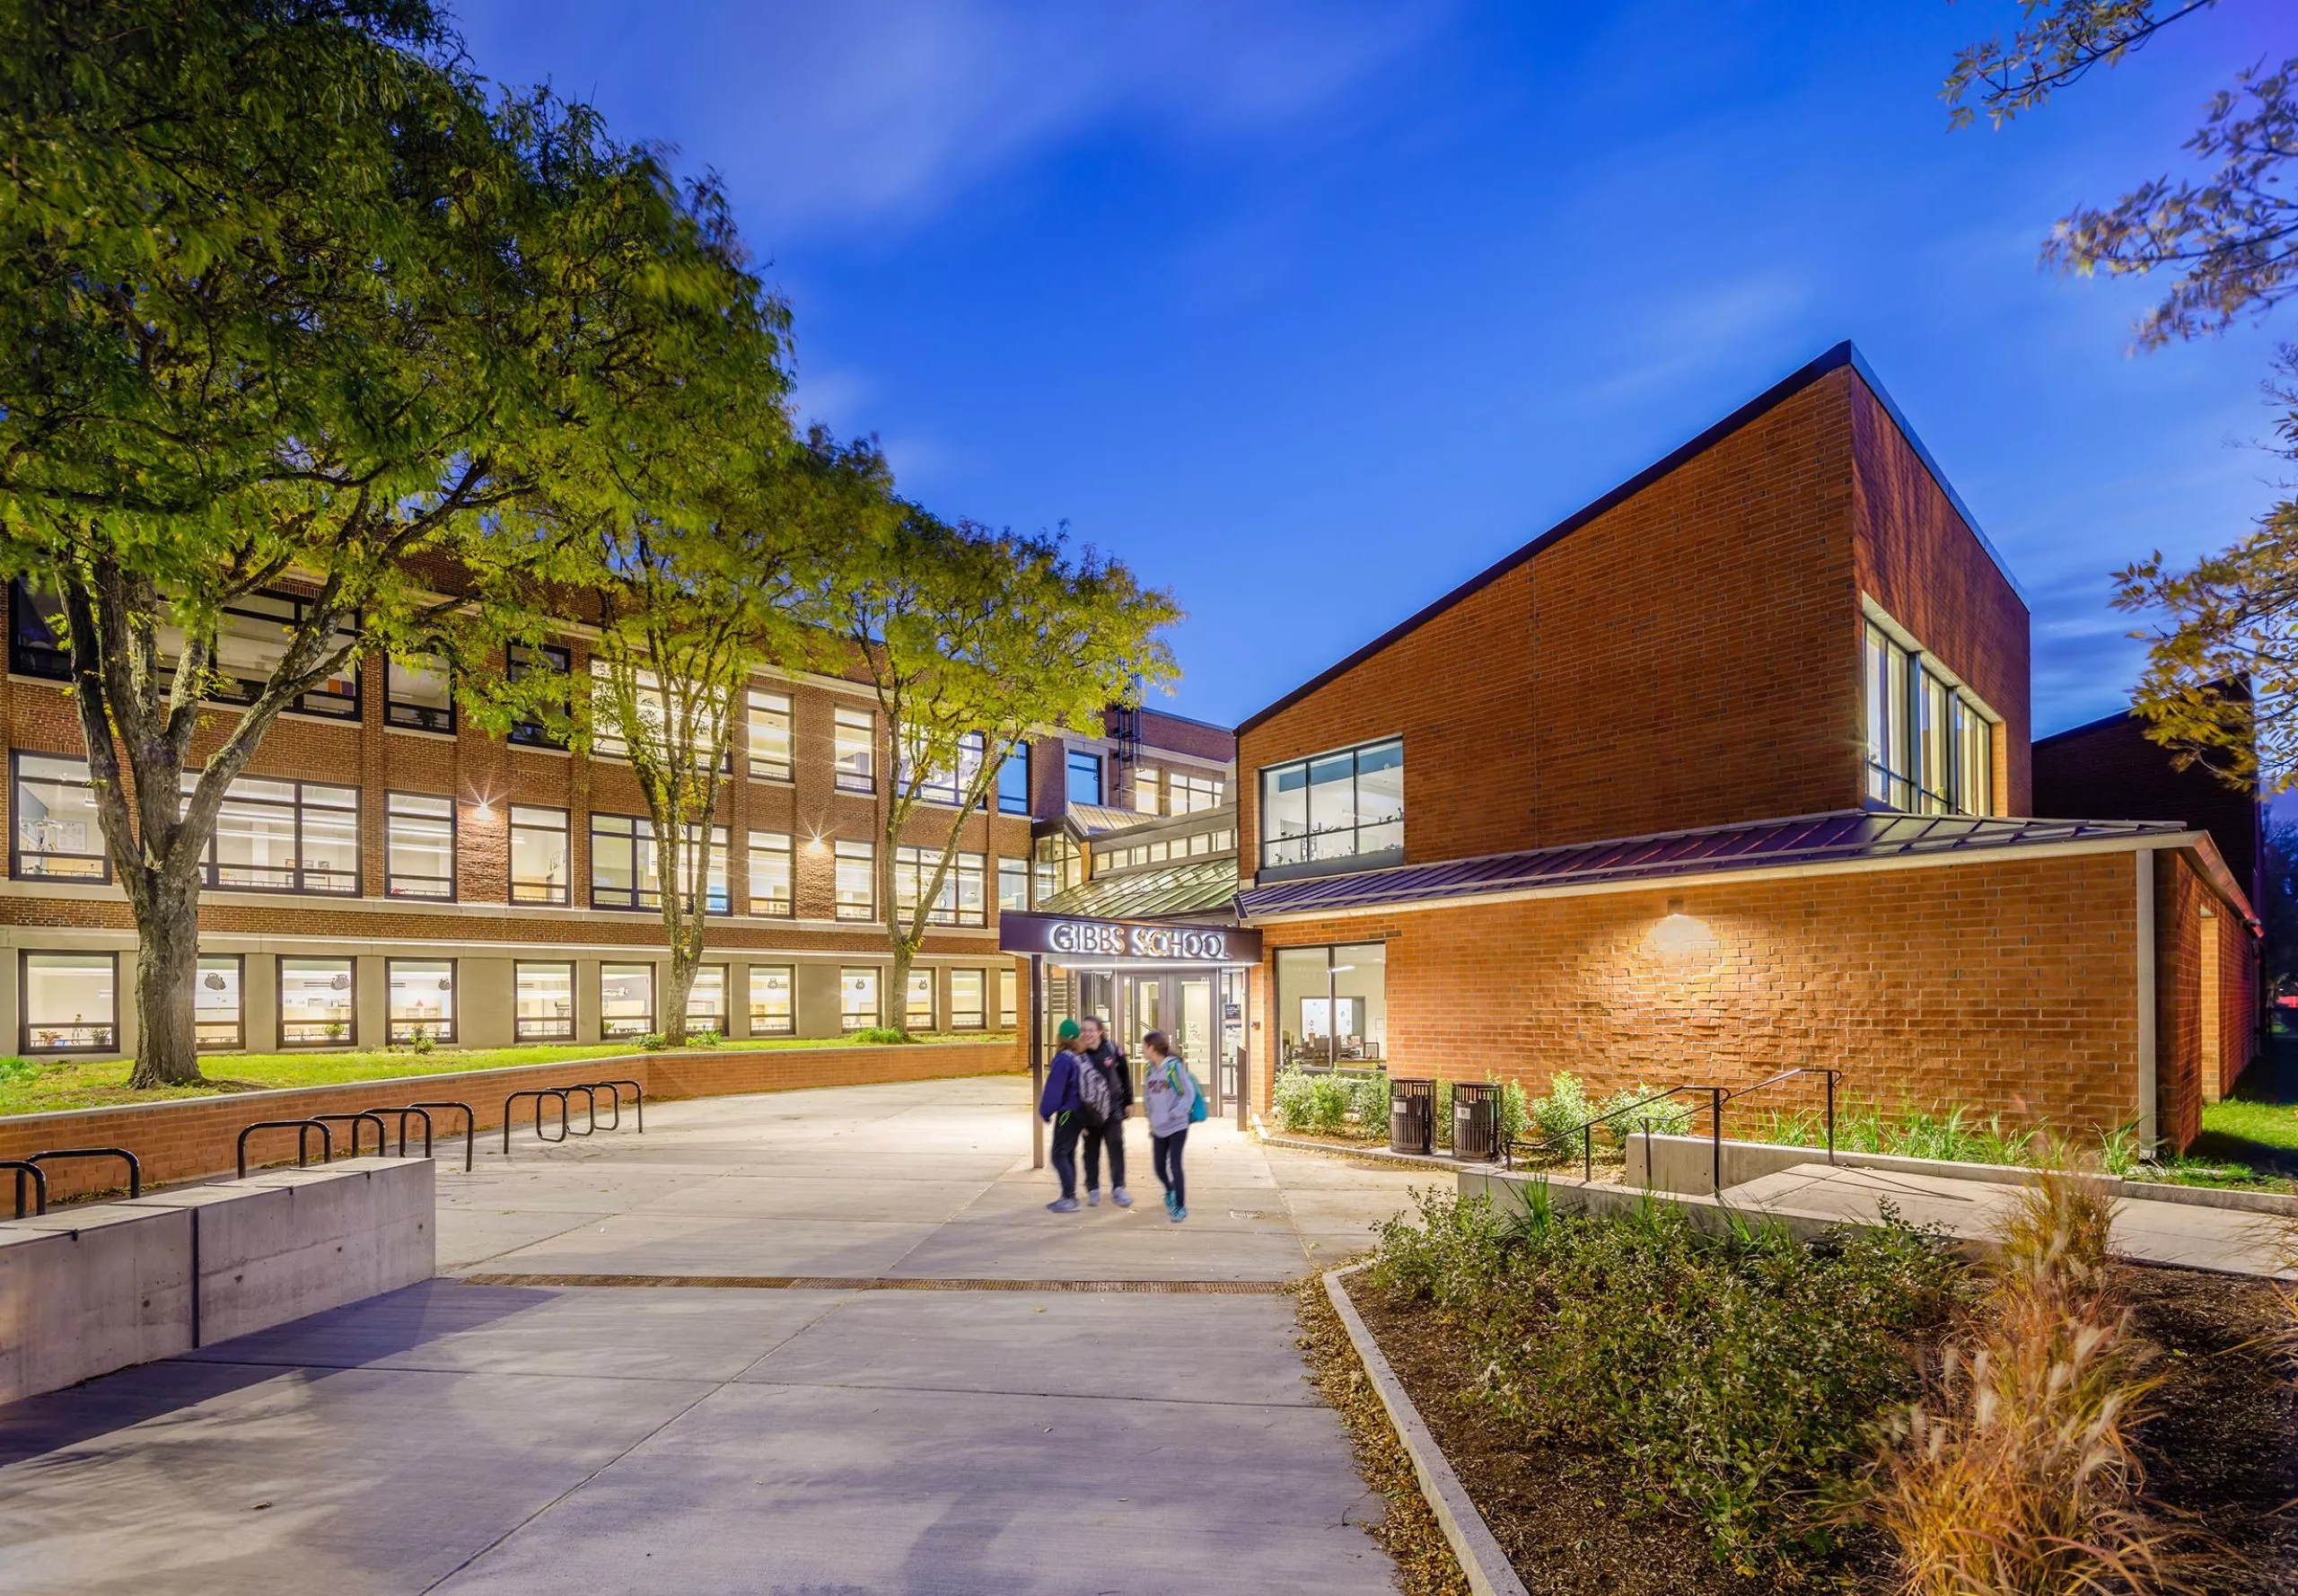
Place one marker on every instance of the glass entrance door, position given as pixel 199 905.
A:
pixel 1144 1012
pixel 1193 1035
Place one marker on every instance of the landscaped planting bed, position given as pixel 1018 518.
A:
pixel 1637 1408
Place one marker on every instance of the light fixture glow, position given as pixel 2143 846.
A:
pixel 1678 932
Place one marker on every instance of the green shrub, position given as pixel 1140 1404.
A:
pixel 1740 1380
pixel 704 1038
pixel 881 1035
pixel 1288 1100
pixel 1668 1117
pixel 653 1041
pixel 1368 1098
pixel 1442 1108
pixel 13 1070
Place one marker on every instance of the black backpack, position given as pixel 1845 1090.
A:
pixel 1096 1094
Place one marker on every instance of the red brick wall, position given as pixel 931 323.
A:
pixel 191 1138
pixel 2008 985
pixel 2110 771
pixel 2188 1072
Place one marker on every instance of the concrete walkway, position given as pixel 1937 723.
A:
pixel 517 1436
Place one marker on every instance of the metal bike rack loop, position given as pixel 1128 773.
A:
pixel 303 1129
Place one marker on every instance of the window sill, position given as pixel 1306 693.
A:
pixel 424 732
pixel 1353 864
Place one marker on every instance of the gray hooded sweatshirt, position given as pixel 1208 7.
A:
pixel 1171 1091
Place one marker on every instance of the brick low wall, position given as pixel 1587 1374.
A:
pixel 192 1138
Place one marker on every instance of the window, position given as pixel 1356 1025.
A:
pixel 418 693
pixel 1343 805
pixel 418 846
pixel 549 667
pixel 539 848
pixel 1060 865
pixel 959 903
pixel 422 998
pixel 856 884
pixel 1007 1005
pixel 769 735
pixel 218 1002
pixel 1012 885
pixel 773 1012
pixel 855 735
pixel 1084 776
pixel 1930 747
pixel 71 1002
pixel 657 719
pixel 249 644
pixel 285 836
pixel 317 1003
pixel 1014 783
pixel 706 1000
pixel 1191 793
pixel 1332 1004
pixel 1148 793
pixel 58 836
pixel 770 889
pixel 950 784
pixel 918 1010
pixel 36 633
pixel 625 1000
pixel 857 999
pixel 543 1007
pixel 626 870
pixel 966 1000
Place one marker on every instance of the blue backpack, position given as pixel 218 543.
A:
pixel 1196 1094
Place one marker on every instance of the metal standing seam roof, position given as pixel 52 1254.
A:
pixel 1840 837
pixel 1202 887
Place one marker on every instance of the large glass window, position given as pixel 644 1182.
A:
pixel 549 666
pixel 58 836
pixel 857 880
pixel 625 1000
pixel 626 867
pixel 770 873
pixel 1060 865
pixel 919 1008
pixel 706 1000
pixel 250 641
pixel 418 693
pixel 219 1002
pixel 1012 885
pixel 967 996
pixel 1332 1004
pixel 1084 771
pixel 543 1007
pixel 854 733
pixel 285 836
pixel 1014 783
pixel 774 1010
pixel 71 1002
pixel 1190 793
pixel 1343 805
pixel 857 998
pixel 1148 790
pixel 950 784
pixel 609 738
pixel 538 848
pixel 419 845
pixel 769 735
pixel 319 1002
pixel 959 901
pixel 422 998
pixel 1930 747
pixel 36 631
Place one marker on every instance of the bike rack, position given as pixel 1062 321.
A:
pixel 135 1165
pixel 637 1096
pixel 471 1120
pixel 401 1115
pixel 539 1094
pixel 24 1167
pixel 303 1129
pixel 590 1103
pixel 364 1114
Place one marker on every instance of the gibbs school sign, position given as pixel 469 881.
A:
pixel 1069 940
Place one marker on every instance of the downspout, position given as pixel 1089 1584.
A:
pixel 2149 1117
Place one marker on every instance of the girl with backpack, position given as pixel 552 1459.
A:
pixel 1175 1102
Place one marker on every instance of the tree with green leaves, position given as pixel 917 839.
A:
pixel 285 305
pixel 972 640
pixel 2221 683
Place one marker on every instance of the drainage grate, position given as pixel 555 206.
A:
pixel 1226 1288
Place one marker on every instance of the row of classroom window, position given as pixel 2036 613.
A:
pixel 70 1002
pixel 303 836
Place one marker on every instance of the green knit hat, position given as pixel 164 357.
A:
pixel 1067 1031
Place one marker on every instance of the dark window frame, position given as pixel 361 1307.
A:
pixel 648 898
pixel 749 1000
pixel 534 733
pixel 1073 765
pixel 240 1025
pixel 783 909
pixel 519 1023
pixel 107 1043
pixel 724 1017
pixel 1014 803
pixel 392 877
pixel 609 1029
pixel 211 868
pixel 841 778
pixel 980 1021
pixel 867 910
pixel 1312 857
pixel 784 769
pixel 916 870
pixel 350 1038
pixel 407 715
pixel 877 1000
pixel 455 999
pixel 16 871
pixel 512 825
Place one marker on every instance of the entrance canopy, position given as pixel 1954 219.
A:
pixel 1077 940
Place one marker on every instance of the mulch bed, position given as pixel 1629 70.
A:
pixel 2224 1453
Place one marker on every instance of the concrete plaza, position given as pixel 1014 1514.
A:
pixel 496 1430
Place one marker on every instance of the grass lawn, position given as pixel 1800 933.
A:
pixel 2263 1135
pixel 37 1086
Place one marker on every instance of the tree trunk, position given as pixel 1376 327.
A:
pixel 672 1021
pixel 904 956
pixel 167 964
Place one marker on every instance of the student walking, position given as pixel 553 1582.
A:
pixel 1174 1103
pixel 1098 1052
pixel 1059 1102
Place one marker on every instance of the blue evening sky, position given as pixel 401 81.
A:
pixel 1310 311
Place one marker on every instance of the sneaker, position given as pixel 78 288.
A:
pixel 1169 1202
pixel 1121 1197
pixel 1063 1205
pixel 1093 1197
pixel 1180 1213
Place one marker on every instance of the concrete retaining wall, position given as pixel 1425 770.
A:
pixel 90 1289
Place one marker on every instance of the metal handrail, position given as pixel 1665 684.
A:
pixel 303 1129
pixel 39 1184
pixel 1587 1130
pixel 637 1095
pixel 471 1123
pixel 1833 1075
pixel 538 1094
pixel 135 1165
pixel 366 1114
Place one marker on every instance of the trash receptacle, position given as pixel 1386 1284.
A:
pixel 1476 1120
pixel 1412 1120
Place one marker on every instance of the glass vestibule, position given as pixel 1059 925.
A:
pixel 1332 1004
pixel 1200 1009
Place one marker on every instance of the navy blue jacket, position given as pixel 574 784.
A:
pixel 1060 1086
